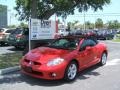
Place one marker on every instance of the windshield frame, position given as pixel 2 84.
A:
pixel 75 40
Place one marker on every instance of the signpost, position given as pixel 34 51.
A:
pixel 42 29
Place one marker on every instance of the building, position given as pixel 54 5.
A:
pixel 3 16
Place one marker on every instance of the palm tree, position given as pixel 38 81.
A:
pixel 99 23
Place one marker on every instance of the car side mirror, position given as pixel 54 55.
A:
pixel 82 49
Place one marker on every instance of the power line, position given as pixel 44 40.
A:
pixel 96 15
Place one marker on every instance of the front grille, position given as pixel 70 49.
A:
pixel 37 73
pixel 27 61
pixel 33 62
pixel 29 70
pixel 36 63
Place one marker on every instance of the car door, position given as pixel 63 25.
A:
pixel 91 49
pixel 86 52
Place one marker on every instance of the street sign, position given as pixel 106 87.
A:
pixel 42 29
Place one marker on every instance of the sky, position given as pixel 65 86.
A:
pixel 12 19
pixel 109 12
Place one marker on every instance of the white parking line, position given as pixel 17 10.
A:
pixel 113 62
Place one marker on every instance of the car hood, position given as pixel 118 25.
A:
pixel 44 54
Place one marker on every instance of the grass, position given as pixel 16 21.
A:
pixel 116 40
pixel 10 60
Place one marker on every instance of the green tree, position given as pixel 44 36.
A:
pixel 113 24
pixel 110 25
pixel 116 24
pixel 89 25
pixel 69 24
pixel 76 21
pixel 2 7
pixel 43 9
pixel 23 25
pixel 59 21
pixel 12 26
pixel 73 25
pixel 99 23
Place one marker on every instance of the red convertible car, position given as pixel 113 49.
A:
pixel 63 58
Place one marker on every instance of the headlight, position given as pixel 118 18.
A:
pixel 55 61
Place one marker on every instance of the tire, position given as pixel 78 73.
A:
pixel 2 43
pixel 26 50
pixel 103 59
pixel 17 47
pixel 71 71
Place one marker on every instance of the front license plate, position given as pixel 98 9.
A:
pixel 28 69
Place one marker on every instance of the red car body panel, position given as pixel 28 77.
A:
pixel 40 57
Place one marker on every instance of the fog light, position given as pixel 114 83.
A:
pixel 53 74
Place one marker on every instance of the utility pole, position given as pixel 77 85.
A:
pixel 32 43
pixel 33 14
pixel 34 8
pixel 9 16
pixel 84 21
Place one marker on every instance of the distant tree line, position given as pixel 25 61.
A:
pixel 99 24
pixel 21 25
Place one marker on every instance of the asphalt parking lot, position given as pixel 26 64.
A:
pixel 95 78
pixel 8 49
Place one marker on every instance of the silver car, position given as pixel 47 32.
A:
pixel 4 34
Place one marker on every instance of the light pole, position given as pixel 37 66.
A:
pixel 64 22
pixel 9 15
pixel 84 21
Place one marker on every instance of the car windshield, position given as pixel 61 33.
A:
pixel 17 31
pixel 26 31
pixel 64 43
pixel 9 31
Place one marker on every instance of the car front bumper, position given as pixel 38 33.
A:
pixel 44 72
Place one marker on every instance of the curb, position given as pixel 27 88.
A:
pixel 9 70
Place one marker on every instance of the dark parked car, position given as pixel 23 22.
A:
pixel 110 35
pixel 101 35
pixel 76 32
pixel 105 34
pixel 19 37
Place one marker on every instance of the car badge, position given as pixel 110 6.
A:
pixel 30 63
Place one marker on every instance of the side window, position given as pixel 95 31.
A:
pixel 91 42
pixel 83 45
pixel 60 42
pixel 26 32
pixel 87 42
pixel 9 31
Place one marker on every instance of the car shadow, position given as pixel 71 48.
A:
pixel 15 49
pixel 4 45
pixel 87 73
pixel 20 78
